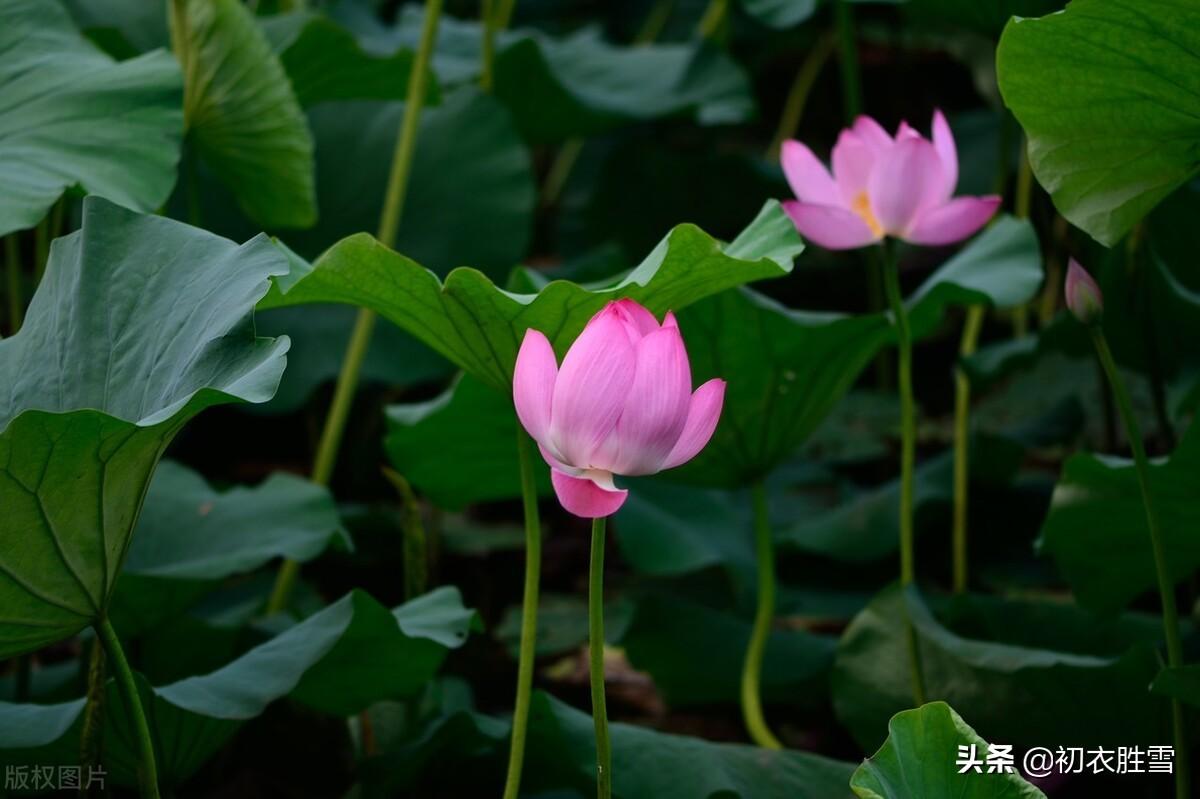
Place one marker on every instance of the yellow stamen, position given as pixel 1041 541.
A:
pixel 862 206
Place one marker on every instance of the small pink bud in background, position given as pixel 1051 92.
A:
pixel 1083 294
pixel 882 186
pixel 620 404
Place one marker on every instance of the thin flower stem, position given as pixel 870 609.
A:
pixel 529 609
pixel 752 711
pixel 360 340
pixel 962 418
pixel 1021 207
pixel 596 661
pixel 797 99
pixel 488 51
pixel 713 19
pixel 93 709
pixel 504 12
pixel 12 266
pixel 848 59
pixel 412 528
pixel 908 451
pixel 1166 586
pixel 147 770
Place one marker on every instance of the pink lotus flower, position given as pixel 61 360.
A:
pixel 1083 294
pixel 622 403
pixel 901 187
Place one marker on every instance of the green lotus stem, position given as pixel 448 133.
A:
pixel 560 170
pixel 752 712
pixel 713 18
pixel 1021 206
pixel 488 49
pixel 656 20
pixel 529 609
pixel 962 417
pixel 93 708
pixel 416 545
pixel 504 13
pixel 12 266
pixel 364 325
pixel 908 451
pixel 797 98
pixel 596 661
pixel 147 770
pixel 848 59
pixel 1166 586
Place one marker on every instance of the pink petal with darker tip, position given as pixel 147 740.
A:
pixel 953 221
pixel 583 497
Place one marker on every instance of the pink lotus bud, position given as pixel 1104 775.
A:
pixel 882 186
pixel 621 404
pixel 1083 294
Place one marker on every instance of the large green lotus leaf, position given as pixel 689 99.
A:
pixel 669 530
pixel 1026 672
pixel 1096 528
pixel 784 371
pixel 1106 92
pixel 189 536
pixel 579 84
pixel 71 116
pixel 669 636
pixel 189 531
pixel 139 324
pixel 337 661
pixel 124 28
pixel 650 765
pixel 915 761
pixel 562 624
pixel 324 61
pixel 459 448
pixel 471 172
pixel 241 113
pixel 863 526
pixel 479 326
pixel 1001 267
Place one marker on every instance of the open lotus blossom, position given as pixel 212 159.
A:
pixel 621 404
pixel 882 186
pixel 1084 299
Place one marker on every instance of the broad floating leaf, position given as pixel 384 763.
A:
pixel 72 116
pixel 669 636
pixel 1027 673
pixel 1096 528
pixel 580 84
pixel 1106 92
pixel 460 447
pixel 916 760
pixel 470 172
pixel 1180 682
pixel 784 370
pixel 241 113
pixel 1001 268
pixel 139 324
pixel 655 764
pixel 479 327
pixel 338 661
pixel 324 61
pixel 864 526
pixel 189 531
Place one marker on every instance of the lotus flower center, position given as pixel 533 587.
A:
pixel 862 206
